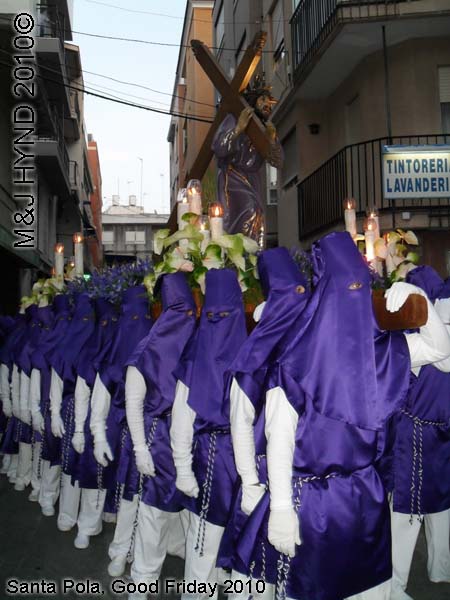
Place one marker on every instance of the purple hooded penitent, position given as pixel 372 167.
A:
pixel 219 337
pixel 328 371
pixel 156 358
pixel 421 468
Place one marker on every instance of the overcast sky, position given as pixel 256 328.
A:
pixel 123 133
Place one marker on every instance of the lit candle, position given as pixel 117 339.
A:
pixel 78 249
pixel 372 213
pixel 350 216
pixel 204 230
pixel 59 260
pixel 216 220
pixel 194 195
pixel 182 208
pixel 370 237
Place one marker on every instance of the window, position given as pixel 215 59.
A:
pixel 107 237
pixel 220 29
pixel 277 29
pixel 290 166
pixel 444 97
pixel 272 185
pixel 135 237
pixel 241 49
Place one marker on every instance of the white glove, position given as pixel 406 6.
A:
pixel 186 482
pixel 58 426
pixel 284 530
pixel 144 461
pixel 442 306
pixel 78 442
pixel 251 495
pixel 38 422
pixel 397 295
pixel 102 451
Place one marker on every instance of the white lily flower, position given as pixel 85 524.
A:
pixel 158 240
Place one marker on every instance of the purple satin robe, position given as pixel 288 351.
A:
pixel 219 338
pixel 156 358
pixel 327 372
pixel 421 431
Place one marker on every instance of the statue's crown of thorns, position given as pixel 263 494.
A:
pixel 258 88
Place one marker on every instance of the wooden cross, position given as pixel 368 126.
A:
pixel 232 101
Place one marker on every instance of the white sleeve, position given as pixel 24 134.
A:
pixel 56 393
pixel 135 390
pixel 432 344
pixel 281 427
pixel 35 391
pixel 100 404
pixel 15 391
pixel 242 416
pixel 182 428
pixel 82 395
pixel 24 397
pixel 5 387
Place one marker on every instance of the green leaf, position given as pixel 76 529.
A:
pixel 190 217
pixel 188 233
pixel 158 241
pixel 413 257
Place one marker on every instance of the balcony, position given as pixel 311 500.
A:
pixel 52 156
pixel 330 37
pixel 72 122
pixel 356 171
pixel 50 53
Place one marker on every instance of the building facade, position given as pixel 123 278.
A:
pixel 193 94
pixel 94 237
pixel 128 231
pixel 53 140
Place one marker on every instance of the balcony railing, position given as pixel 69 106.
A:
pixel 314 20
pixel 356 171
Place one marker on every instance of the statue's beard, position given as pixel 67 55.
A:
pixel 263 116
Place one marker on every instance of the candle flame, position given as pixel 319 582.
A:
pixel 77 238
pixel 59 248
pixel 216 211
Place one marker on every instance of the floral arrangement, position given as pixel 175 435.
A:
pixel 190 251
pixel 109 283
pixel 304 263
pixel 395 256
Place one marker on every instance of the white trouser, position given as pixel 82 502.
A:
pixel 50 481
pixel 123 533
pixel 404 538
pixel 36 468
pixel 6 461
pixel 23 475
pixel 69 502
pixel 151 543
pixel 12 468
pixel 91 510
pixel 201 566
pixel 178 526
pixel 249 588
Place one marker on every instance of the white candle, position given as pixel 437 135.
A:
pixel 78 247
pixel 182 209
pixel 205 233
pixel 370 237
pixel 59 260
pixel 195 202
pixel 376 218
pixel 350 221
pixel 216 227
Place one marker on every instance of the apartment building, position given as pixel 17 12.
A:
pixel 193 94
pixel 57 142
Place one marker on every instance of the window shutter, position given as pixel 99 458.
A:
pixel 444 84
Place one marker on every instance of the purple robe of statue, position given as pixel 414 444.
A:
pixel 285 290
pixel 156 358
pixel 344 378
pixel 239 181
pixel 218 339
pixel 7 325
pixel 421 458
pixel 134 324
